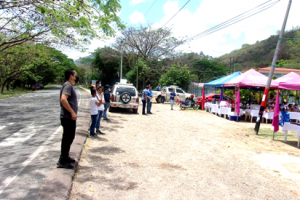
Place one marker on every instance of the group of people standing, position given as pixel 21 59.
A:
pixel 99 103
pixel 147 96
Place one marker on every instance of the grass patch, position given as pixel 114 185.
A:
pixel 268 134
pixel 49 86
pixel 15 92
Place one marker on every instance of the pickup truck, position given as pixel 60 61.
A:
pixel 182 94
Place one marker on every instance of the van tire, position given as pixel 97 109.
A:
pixel 158 99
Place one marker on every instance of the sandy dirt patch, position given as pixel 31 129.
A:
pixel 186 155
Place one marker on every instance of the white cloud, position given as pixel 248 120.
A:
pixel 137 17
pixel 74 54
pixel 133 2
pixel 214 12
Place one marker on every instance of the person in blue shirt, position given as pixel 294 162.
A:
pixel 145 98
pixel 149 104
pixel 172 96
pixel 107 100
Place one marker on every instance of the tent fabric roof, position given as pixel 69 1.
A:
pixel 295 85
pixel 219 82
pixel 290 77
pixel 251 78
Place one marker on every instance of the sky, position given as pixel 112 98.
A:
pixel 198 16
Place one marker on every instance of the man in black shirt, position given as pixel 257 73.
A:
pixel 68 117
pixel 107 100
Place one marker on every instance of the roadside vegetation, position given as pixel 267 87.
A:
pixel 261 53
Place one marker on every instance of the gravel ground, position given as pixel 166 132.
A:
pixel 185 155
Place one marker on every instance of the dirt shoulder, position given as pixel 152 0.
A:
pixel 186 155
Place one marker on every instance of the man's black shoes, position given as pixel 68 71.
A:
pixel 149 113
pixel 70 160
pixel 99 132
pixel 64 164
pixel 144 114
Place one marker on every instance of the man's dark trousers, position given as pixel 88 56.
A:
pixel 144 106
pixel 69 128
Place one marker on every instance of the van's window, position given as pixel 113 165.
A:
pixel 179 91
pixel 121 90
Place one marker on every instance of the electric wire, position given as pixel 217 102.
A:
pixel 176 13
pixel 212 31
pixel 149 8
pixel 240 15
pixel 236 19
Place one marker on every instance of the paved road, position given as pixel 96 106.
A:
pixel 29 141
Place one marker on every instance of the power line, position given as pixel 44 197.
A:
pixel 212 31
pixel 176 13
pixel 236 19
pixel 228 21
pixel 149 8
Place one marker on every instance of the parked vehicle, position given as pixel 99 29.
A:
pixel 180 92
pixel 124 96
pixel 189 103
pixel 214 97
pixel 34 87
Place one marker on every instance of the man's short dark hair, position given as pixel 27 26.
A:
pixel 99 87
pixel 93 92
pixel 147 86
pixel 97 82
pixel 68 73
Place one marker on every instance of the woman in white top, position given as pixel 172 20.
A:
pixel 94 104
pixel 163 96
pixel 100 98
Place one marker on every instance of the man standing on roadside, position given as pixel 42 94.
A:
pixel 172 95
pixel 68 117
pixel 145 98
pixel 149 104
pixel 98 83
pixel 100 98
pixel 107 100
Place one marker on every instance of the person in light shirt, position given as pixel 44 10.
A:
pixel 94 104
pixel 100 98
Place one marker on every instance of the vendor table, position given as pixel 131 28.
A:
pixel 291 127
pixel 224 111
pixel 207 106
pixel 268 115
pixel 295 115
pixel 214 108
pixel 252 113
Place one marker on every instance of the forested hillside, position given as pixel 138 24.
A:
pixel 261 53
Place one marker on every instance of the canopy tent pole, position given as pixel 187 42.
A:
pixel 203 97
pixel 221 96
pixel 237 104
pixel 267 88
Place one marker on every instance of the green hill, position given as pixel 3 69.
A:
pixel 261 53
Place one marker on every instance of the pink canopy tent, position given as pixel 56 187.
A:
pixel 289 78
pixel 290 84
pixel 250 78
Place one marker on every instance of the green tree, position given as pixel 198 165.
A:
pixel 207 70
pixel 176 75
pixel 70 23
pixel 106 63
pixel 151 45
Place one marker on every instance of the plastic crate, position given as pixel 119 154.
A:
pixel 235 118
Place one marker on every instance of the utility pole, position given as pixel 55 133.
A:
pixel 233 65
pixel 121 61
pixel 137 74
pixel 266 92
pixel 230 66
